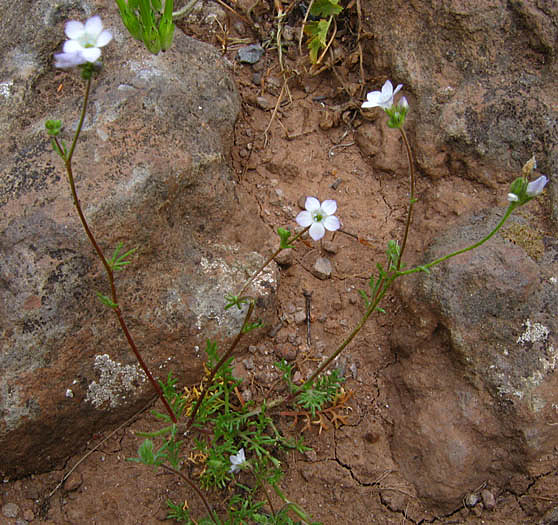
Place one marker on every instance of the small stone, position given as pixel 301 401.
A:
pixel 327 120
pixel 285 258
pixel 472 499
pixel 297 377
pixel 28 515
pixel 73 482
pixel 301 202
pixel 488 499
pixel 21 521
pixel 330 247
pixel 300 317
pixel 248 363
pixel 311 455
pixel 322 268
pixel 10 510
pixel 288 33
pixel 246 394
pixel 250 54
pixel 264 103
pixel 252 349
pixel 286 352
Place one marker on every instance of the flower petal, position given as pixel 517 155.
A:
pixel 304 218
pixel 329 206
pixel 74 29
pixel 373 99
pixel 332 223
pixel 68 59
pixel 91 54
pixel 312 204
pixel 399 86
pixel 537 186
pixel 94 26
pixel 72 46
pixel 387 90
pixel 317 231
pixel 104 38
pixel 512 197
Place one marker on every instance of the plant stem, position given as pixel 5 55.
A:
pixel 109 271
pixel 411 196
pixel 424 267
pixel 383 287
pixel 221 362
pixel 196 489
pixel 270 258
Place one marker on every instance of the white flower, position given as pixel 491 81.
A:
pixel 403 103
pixel 382 99
pixel 319 217
pixel 512 197
pixel 85 41
pixel 237 460
pixel 537 186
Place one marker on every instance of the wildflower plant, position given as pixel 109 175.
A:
pixel 237 444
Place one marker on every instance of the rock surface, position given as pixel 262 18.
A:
pixel 480 77
pixel 151 171
pixel 476 379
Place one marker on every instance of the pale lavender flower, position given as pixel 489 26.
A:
pixel 537 186
pixel 237 460
pixel 384 98
pixel 85 41
pixel 319 217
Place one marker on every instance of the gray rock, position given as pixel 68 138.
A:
pixel 488 499
pixel 322 268
pixel 480 360
pixel 150 172
pixel 10 510
pixel 462 124
pixel 250 54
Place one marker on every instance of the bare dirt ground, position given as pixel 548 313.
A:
pixel 303 145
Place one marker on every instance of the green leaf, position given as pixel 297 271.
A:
pixel 325 8
pixel 107 301
pixel 317 31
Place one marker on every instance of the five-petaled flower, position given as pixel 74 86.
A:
pixel 237 460
pixel 319 217
pixel 85 41
pixel 384 98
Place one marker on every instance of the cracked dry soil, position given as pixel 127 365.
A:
pixel 350 476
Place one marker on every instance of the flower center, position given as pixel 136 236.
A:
pixel 318 216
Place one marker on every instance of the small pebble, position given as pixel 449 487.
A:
pixel 73 482
pixel 286 352
pixel 472 499
pixel 488 499
pixel 250 54
pixel 265 103
pixel 28 515
pixel 322 268
pixel 297 377
pixel 311 455
pixel 285 258
pixel 10 510
pixel 300 317
pixel 248 363
pixel 329 246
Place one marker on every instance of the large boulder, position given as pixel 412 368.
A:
pixel 151 171
pixel 481 80
pixel 476 378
